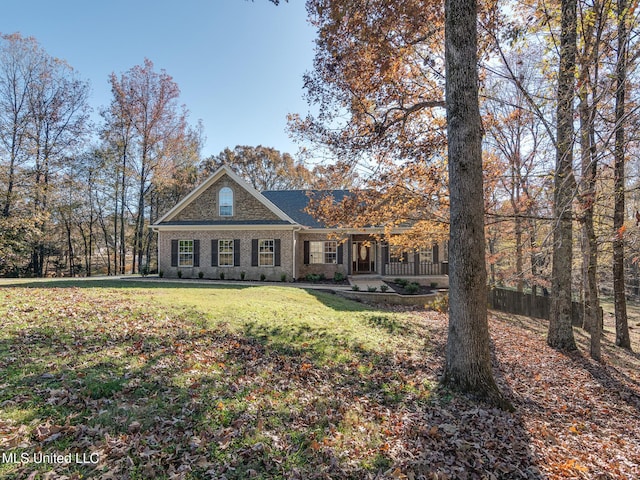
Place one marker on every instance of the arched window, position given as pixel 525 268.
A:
pixel 226 202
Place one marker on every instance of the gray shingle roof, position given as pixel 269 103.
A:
pixel 294 202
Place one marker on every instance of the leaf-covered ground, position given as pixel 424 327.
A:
pixel 181 382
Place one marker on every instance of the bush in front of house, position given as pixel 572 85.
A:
pixel 312 277
pixel 412 288
pixel 179 273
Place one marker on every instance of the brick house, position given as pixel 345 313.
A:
pixel 226 226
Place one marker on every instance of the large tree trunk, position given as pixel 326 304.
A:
pixel 560 333
pixel 468 356
pixel 589 164
pixel 619 293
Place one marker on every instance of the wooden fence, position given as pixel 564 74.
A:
pixel 537 306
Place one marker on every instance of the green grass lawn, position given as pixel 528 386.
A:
pixel 151 378
pixel 145 379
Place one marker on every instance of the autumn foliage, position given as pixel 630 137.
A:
pixel 161 389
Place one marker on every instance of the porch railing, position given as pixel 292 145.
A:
pixel 401 269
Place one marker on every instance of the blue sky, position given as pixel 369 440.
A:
pixel 239 64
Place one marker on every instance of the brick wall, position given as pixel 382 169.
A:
pixel 245 237
pixel 205 206
pixel 319 268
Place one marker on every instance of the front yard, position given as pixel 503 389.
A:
pixel 116 379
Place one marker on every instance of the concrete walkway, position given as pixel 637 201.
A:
pixel 365 281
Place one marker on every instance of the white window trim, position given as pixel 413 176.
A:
pixel 261 253
pixel 322 252
pixel 220 205
pixel 426 254
pixel 220 253
pixel 184 244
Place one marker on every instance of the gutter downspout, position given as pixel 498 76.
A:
pixel 294 241
pixel 156 231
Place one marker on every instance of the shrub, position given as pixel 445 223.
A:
pixel 401 281
pixel 371 289
pixel 221 275
pixel 262 277
pixel 412 288
pixel 200 274
pixel 312 277
pixel 179 273
pixel 384 288
pixel 440 304
pixel 338 277
pixel 355 288
pixel 433 284
pixel 242 275
pixel 283 277
pixel 144 271
pixel 161 273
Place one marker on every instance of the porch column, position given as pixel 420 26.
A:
pixel 384 254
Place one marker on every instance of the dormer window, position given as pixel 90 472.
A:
pixel 226 202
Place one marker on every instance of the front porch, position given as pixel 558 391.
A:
pixel 366 257
pixel 415 269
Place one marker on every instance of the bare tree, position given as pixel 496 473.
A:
pixel 560 333
pixel 619 292
pixel 146 102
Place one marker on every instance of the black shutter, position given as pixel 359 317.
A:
pixel 254 252
pixel 340 254
pixel 436 253
pixel 214 252
pixel 196 253
pixel 276 254
pixel 174 253
pixel 305 252
pixel 236 252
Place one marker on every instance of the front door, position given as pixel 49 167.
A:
pixel 363 257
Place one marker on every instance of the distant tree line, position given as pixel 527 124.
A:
pixel 77 198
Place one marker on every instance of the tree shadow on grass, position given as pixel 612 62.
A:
pixel 614 381
pixel 337 302
pixel 152 400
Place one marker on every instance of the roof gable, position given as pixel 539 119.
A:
pixel 201 205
